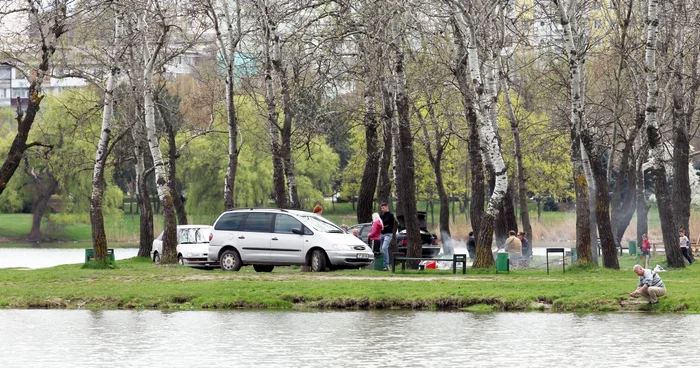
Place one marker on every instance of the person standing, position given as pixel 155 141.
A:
pixel 318 210
pixel 683 242
pixel 526 248
pixel 388 220
pixel 375 233
pixel 650 285
pixel 471 245
pixel 646 248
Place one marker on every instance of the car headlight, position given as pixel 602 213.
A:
pixel 342 247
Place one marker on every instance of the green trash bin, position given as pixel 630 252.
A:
pixel 574 255
pixel 632 246
pixel 502 262
pixel 379 261
pixel 90 254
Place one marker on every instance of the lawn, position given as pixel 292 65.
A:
pixel 140 284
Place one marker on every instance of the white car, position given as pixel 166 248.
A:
pixel 266 238
pixel 192 246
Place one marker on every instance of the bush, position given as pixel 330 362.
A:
pixel 550 204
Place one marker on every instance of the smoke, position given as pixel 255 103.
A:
pixel 450 245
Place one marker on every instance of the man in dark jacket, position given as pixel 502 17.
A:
pixel 388 220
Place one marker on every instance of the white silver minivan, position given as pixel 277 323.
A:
pixel 266 238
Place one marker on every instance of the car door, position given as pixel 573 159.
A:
pixel 254 238
pixel 285 246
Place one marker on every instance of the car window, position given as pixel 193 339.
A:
pixel 160 237
pixel 365 231
pixel 321 224
pixel 258 222
pixel 193 235
pixel 230 222
pixel 285 223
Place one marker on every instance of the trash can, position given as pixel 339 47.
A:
pixel 502 262
pixel 632 246
pixel 90 254
pixel 378 261
pixel 574 255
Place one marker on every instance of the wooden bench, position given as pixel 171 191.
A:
pixel 399 257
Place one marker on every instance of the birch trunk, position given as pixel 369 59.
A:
pixel 478 192
pixel 656 145
pixel 161 175
pixel 583 236
pixel 99 237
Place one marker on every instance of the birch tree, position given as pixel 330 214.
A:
pixel 583 237
pixel 99 238
pixel 485 90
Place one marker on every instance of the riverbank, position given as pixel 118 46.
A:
pixel 139 284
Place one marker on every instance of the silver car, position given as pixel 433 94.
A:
pixel 192 246
pixel 266 238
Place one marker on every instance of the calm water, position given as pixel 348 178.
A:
pixel 60 338
pixel 49 257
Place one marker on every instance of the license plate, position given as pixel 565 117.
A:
pixel 362 255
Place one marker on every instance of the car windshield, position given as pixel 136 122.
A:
pixel 193 235
pixel 320 224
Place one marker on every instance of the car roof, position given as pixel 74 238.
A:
pixel 192 226
pixel 272 210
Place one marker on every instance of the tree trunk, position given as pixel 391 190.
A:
pixel 99 237
pixel 164 191
pixel 143 197
pixel 280 192
pixel 370 175
pixel 602 209
pixel 44 185
pixel 509 217
pixel 232 124
pixel 173 155
pixel 478 193
pixel 520 169
pixel 642 206
pixel 26 119
pixel 384 180
pixel 656 146
pixel 405 168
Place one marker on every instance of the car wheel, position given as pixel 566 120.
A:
pixel 180 260
pixel 156 257
pixel 231 261
pixel 263 268
pixel 318 261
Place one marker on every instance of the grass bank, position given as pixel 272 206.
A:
pixel 139 284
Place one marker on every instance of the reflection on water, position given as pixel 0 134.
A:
pixel 49 257
pixel 59 338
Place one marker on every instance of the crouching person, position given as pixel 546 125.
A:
pixel 650 285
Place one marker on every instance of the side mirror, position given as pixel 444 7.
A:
pixel 297 231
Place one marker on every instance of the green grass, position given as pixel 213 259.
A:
pixel 139 284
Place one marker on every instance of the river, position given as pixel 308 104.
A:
pixel 77 338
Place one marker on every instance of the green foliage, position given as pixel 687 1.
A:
pixel 545 152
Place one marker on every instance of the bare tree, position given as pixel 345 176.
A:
pixel 99 237
pixel 226 20
pixel 656 146
pixel 39 25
